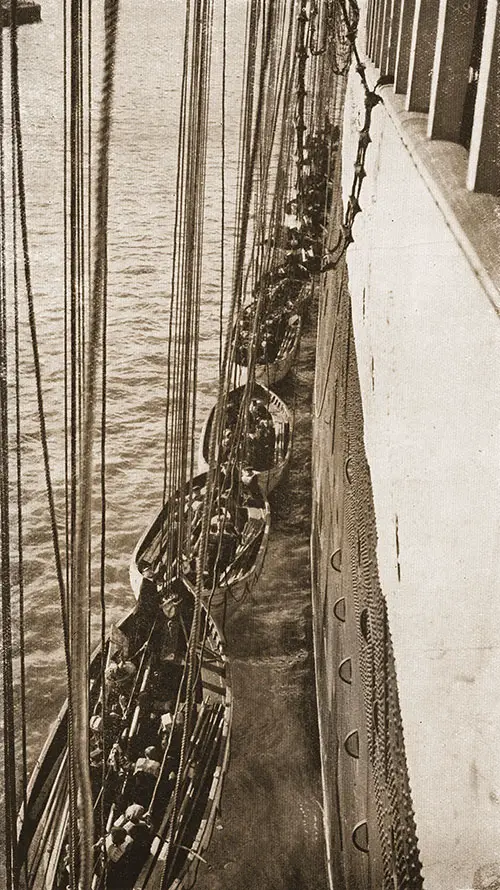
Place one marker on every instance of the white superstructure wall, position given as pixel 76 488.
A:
pixel 428 346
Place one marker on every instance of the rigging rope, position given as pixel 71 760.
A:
pixel 186 291
pixel 80 643
pixel 102 586
pixel 75 606
pixel 223 182
pixel 7 642
pixel 17 137
pixel 20 531
pixel 185 319
pixel 170 473
pixel 245 138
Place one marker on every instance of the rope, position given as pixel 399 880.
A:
pixel 186 289
pixel 169 437
pixel 301 53
pixel 66 298
pixel 102 586
pixel 223 179
pixel 80 646
pixel 76 626
pixel 249 177
pixel 68 466
pixel 7 647
pixel 266 235
pixel 20 546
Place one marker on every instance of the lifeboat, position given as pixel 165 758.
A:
pixel 277 345
pixel 158 756
pixel 265 450
pixel 237 542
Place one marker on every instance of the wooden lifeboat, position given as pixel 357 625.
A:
pixel 236 546
pixel 276 350
pixel 269 461
pixel 164 804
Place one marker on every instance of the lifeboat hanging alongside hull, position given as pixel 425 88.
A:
pixel 167 813
pixel 236 547
pixel 277 351
pixel 272 458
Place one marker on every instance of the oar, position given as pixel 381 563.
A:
pixel 158 841
pixel 198 784
pixel 204 741
pixel 52 807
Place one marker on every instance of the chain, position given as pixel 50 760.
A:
pixel 372 99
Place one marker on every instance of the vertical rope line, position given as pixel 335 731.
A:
pixel 245 132
pixel 65 285
pixel 204 127
pixel 80 231
pixel 74 103
pixel 313 90
pixel 285 143
pixel 171 365
pixel 89 277
pixel 285 161
pixel 75 403
pixel 80 654
pixel 194 179
pixel 102 481
pixel 68 518
pixel 299 111
pixel 274 101
pixel 86 262
pixel 89 137
pixel 283 100
pixel 223 180
pixel 20 547
pixel 102 584
pixel 172 473
pixel 266 246
pixel 203 92
pixel 201 107
pixel 246 194
pixel 249 177
pixel 257 142
pixel 7 649
pixel 187 270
